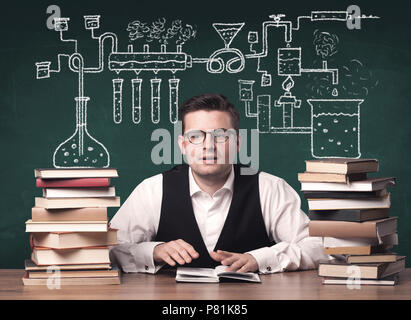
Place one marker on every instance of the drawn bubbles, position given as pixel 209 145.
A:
pixel 159 31
pixel 355 80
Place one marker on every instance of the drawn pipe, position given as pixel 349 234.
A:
pixel 264 113
pixel 136 100
pixel 145 61
pixel 329 15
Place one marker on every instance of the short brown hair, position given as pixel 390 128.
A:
pixel 210 101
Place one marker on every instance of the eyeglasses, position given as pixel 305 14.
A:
pixel 219 135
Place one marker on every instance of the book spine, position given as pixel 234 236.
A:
pixel 342 229
pixel 79 214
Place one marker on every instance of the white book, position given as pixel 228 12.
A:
pixel 329 242
pixel 362 185
pixel 79 192
pixel 341 204
pixel 388 281
pixel 185 274
pixel 66 226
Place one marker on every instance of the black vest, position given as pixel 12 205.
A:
pixel 244 228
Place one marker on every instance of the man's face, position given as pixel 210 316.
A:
pixel 214 155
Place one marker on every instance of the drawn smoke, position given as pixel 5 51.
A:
pixel 354 80
pixel 158 31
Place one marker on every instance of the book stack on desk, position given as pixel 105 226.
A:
pixel 351 212
pixel 69 231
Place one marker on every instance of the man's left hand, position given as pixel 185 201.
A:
pixel 239 262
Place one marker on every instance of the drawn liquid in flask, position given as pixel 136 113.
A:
pixel 81 150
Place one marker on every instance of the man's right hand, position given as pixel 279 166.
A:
pixel 176 251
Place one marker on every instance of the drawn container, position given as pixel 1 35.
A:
pixel 117 100
pixel 335 127
pixel 81 149
pixel 136 100
pixel 173 88
pixel 289 61
pixel 264 113
pixel 155 100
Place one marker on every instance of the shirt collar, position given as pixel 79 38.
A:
pixel 194 188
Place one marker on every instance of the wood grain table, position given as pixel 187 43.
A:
pixel 298 285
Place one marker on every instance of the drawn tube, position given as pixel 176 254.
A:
pixel 155 100
pixel 117 100
pixel 173 88
pixel 264 113
pixel 136 100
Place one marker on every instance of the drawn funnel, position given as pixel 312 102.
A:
pixel 335 128
pixel 227 31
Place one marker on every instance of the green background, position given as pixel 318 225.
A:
pixel 38 114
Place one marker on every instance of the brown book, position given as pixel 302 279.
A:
pixel 372 258
pixel 69 214
pixel 346 229
pixel 69 240
pixel 73 281
pixel 341 269
pixel 61 203
pixel 112 272
pixel 52 173
pixel 330 177
pixel 31 266
pixel 342 165
pixel 66 226
pixel 357 250
pixel 48 256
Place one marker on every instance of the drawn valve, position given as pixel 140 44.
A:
pixel 81 149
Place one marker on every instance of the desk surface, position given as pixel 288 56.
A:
pixel 304 285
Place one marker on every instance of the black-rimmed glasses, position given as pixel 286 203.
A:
pixel 220 135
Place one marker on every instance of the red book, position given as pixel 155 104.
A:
pixel 70 183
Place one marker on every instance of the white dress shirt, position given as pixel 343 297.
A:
pixel 138 220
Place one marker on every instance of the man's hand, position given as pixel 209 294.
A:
pixel 177 251
pixel 239 262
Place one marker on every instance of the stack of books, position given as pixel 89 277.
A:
pixel 69 230
pixel 351 212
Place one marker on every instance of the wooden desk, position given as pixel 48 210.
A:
pixel 304 285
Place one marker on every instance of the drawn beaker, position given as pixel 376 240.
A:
pixel 81 149
pixel 335 127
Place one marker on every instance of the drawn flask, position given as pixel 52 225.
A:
pixel 81 150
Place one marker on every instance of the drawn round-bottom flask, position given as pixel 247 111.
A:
pixel 81 150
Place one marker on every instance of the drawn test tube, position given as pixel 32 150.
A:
pixel 136 100
pixel 155 100
pixel 173 87
pixel 117 100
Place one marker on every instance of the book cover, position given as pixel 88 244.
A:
pixel 73 183
pixel 89 255
pixel 340 204
pixel 344 194
pixel 69 214
pixel 346 229
pixel 352 215
pixel 66 226
pixel 370 184
pixel 52 173
pixel 79 192
pixel 342 165
pixel 330 177
pixel 61 203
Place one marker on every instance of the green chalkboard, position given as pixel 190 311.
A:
pixel 309 83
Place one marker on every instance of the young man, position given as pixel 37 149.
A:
pixel 207 213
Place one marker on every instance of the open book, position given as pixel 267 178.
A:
pixel 185 274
